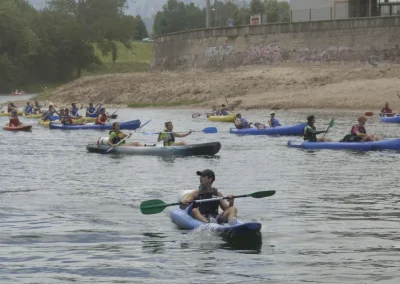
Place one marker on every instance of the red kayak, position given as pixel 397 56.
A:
pixel 19 128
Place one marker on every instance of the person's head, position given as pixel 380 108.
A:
pixel 73 105
pixel 51 107
pixel 239 115
pixel 272 114
pixel 214 108
pixel 386 104
pixel 36 102
pixel 116 126
pixel 362 120
pixel 65 111
pixel 28 103
pixel 91 104
pixel 311 120
pixel 207 177
pixel 103 110
pixel 169 126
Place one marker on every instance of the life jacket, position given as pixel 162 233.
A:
pixel 167 137
pixel 361 129
pixel 224 112
pixel 14 121
pixel 66 120
pixel 207 207
pixel 117 138
pixel 103 118
pixel 308 135
pixel 74 111
pixel 28 110
pixel 275 122
pixel 386 110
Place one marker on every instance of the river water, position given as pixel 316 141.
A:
pixel 70 216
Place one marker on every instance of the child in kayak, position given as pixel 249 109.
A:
pixel 116 135
pixel 168 136
pixel 207 212
pixel 310 132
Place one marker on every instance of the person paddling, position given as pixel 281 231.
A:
pixel 207 212
pixel 168 136
pixel 224 110
pixel 90 110
pixel 37 108
pixel 14 120
pixel 47 114
pixel 116 135
pixel 310 132
pixel 11 106
pixel 241 122
pixel 75 110
pixel 65 117
pixel 386 111
pixel 273 122
pixel 360 133
pixel 102 117
pixel 28 108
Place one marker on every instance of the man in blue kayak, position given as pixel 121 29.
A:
pixel 310 132
pixel 47 114
pixel 273 122
pixel 207 212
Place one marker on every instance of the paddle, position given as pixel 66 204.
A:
pixel 207 130
pixel 126 137
pixel 331 124
pixel 155 206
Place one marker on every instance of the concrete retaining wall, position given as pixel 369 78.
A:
pixel 363 39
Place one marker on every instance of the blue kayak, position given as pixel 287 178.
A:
pixel 131 125
pixel 389 144
pixel 390 119
pixel 185 221
pixel 290 130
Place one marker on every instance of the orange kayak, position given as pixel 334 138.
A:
pixel 19 128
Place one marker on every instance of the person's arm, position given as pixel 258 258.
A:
pixel 182 135
pixel 223 204
pixel 270 123
pixel 159 137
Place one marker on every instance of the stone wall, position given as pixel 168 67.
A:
pixel 372 40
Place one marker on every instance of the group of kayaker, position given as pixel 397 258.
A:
pixel 358 133
pixel 241 123
pixel 223 111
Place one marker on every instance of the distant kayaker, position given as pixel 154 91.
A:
pixel 102 117
pixel 360 133
pixel 65 117
pixel 47 114
pixel 224 110
pixel 37 108
pixel 168 136
pixel 241 122
pixel 14 120
pixel 207 212
pixel 273 122
pixel 28 109
pixel 90 110
pixel 11 106
pixel 75 110
pixel 116 135
pixel 386 111
pixel 310 132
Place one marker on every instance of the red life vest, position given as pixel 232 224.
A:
pixel 14 121
pixel 103 119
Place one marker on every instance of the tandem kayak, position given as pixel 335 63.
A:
pixel 131 125
pixel 293 130
pixel 185 221
pixel 390 119
pixel 222 118
pixel 204 149
pixel 19 128
pixel 389 144
pixel 8 114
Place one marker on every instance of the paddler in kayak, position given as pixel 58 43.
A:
pixel 224 110
pixel 358 133
pixel 37 108
pixel 28 108
pixel 14 120
pixel 75 110
pixel 207 212
pixel 168 136
pixel 116 135
pixel 11 106
pixel 241 123
pixel 90 110
pixel 386 111
pixel 310 132
pixel 47 114
pixel 273 122
pixel 102 117
pixel 65 117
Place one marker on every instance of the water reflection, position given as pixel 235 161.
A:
pixel 154 243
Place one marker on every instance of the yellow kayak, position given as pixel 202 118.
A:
pixel 7 114
pixel 32 115
pixel 223 118
pixel 77 120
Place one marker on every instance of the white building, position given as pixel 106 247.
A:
pixel 317 10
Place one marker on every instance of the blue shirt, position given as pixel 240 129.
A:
pixel 275 122
pixel 224 112
pixel 74 111
pixel 28 110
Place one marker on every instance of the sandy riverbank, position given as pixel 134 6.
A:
pixel 305 86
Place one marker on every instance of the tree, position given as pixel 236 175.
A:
pixel 277 11
pixel 256 7
pixel 141 30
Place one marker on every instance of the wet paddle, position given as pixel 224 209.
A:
pixel 155 206
pixel 119 143
pixel 207 130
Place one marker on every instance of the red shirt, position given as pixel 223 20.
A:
pixel 14 121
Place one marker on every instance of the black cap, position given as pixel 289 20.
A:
pixel 207 172
pixel 310 118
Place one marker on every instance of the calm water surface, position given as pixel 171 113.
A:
pixel 69 216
